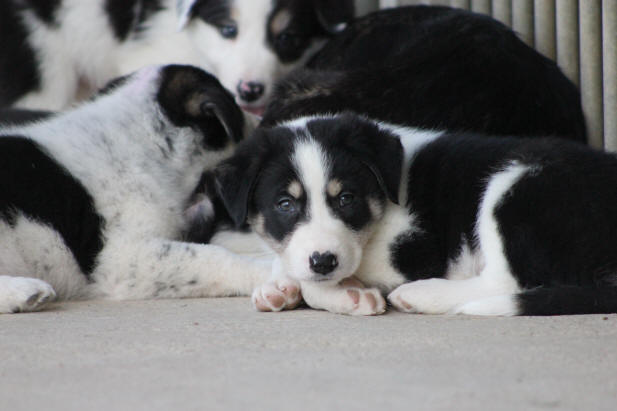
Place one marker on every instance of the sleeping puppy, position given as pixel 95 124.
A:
pixel 434 67
pixel 92 201
pixel 53 52
pixel 441 222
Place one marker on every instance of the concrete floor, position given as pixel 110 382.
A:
pixel 219 354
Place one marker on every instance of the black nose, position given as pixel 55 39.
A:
pixel 323 263
pixel 250 91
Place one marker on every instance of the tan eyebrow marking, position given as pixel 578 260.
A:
pixel 295 189
pixel 334 187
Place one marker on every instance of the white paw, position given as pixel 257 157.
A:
pixel 277 295
pixel 363 301
pixel 422 296
pixel 21 294
pixel 501 305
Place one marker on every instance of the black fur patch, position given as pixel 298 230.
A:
pixel 18 65
pixel 215 12
pixel 190 97
pixel 127 16
pixel 309 20
pixel 434 67
pixel 14 116
pixel 44 9
pixel 201 228
pixel 34 185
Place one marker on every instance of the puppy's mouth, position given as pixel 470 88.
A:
pixel 256 110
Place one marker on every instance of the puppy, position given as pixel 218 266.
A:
pixel 92 200
pixel 443 222
pixel 53 52
pixel 437 68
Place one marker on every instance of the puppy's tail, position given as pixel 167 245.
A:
pixel 568 300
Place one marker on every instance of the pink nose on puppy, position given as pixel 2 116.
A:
pixel 250 91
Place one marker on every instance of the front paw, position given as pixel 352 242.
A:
pixel 277 295
pixel 24 294
pixel 363 301
pixel 422 296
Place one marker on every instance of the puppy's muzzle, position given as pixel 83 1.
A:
pixel 323 263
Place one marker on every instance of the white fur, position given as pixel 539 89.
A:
pixel 115 147
pixel 82 51
pixel 500 305
pixel 469 263
pixel 19 294
pixel 343 299
pixel 376 269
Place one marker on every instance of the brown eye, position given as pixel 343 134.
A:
pixel 345 199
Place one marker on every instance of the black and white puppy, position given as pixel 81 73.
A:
pixel 435 67
pixel 92 201
pixel 443 222
pixel 51 51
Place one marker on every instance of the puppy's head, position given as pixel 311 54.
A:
pixel 179 97
pixel 249 44
pixel 313 188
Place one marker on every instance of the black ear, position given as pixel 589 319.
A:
pixel 334 15
pixel 191 97
pixel 235 178
pixel 378 149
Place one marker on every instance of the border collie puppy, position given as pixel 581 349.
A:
pixel 92 200
pixel 435 67
pixel 51 51
pixel 443 222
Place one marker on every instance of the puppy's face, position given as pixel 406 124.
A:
pixel 316 189
pixel 249 44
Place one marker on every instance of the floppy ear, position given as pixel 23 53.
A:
pixel 379 150
pixel 235 178
pixel 191 97
pixel 184 12
pixel 334 15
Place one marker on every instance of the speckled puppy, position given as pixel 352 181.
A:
pixel 92 201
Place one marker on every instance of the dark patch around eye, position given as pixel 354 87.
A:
pixel 215 12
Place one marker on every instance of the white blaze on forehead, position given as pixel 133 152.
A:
pixel 322 231
pixel 313 167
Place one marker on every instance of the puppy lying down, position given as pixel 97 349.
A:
pixel 92 201
pixel 439 222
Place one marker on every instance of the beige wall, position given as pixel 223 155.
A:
pixel 581 35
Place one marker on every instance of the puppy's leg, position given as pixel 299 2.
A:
pixel 279 293
pixel 170 269
pixel 440 296
pixel 347 297
pixel 22 294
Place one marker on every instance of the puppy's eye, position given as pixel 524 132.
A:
pixel 288 40
pixel 286 205
pixel 229 31
pixel 345 199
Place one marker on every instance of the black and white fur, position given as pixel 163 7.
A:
pixel 92 201
pixel 441 222
pixel 55 51
pixel 434 67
